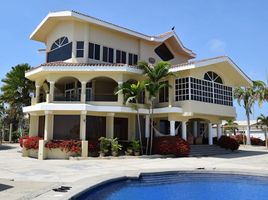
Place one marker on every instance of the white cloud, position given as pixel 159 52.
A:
pixel 217 46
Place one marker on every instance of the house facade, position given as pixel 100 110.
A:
pixel 88 58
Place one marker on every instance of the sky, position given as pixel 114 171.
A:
pixel 210 28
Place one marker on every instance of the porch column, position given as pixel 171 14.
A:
pixel 184 130
pixel 110 125
pixel 48 132
pixel 33 129
pixel 172 128
pixel 83 92
pixel 210 137
pixel 120 96
pixel 83 122
pixel 37 93
pixel 195 128
pixel 147 126
pixel 219 131
pixel 51 91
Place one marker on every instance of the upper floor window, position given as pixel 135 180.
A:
pixel 213 77
pixel 80 49
pixel 94 51
pixel 121 56
pixel 108 54
pixel 163 93
pixel 132 59
pixel 59 43
pixel 60 50
pixel 163 52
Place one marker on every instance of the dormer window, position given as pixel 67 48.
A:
pixel 60 50
pixel 163 52
pixel 213 77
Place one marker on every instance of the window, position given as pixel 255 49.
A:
pixel 121 56
pixel 60 50
pixel 108 54
pixel 80 49
pixel 132 59
pixel 182 89
pixel 94 51
pixel 213 77
pixel 163 93
pixel 163 52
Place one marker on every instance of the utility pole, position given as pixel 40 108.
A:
pixel 10 132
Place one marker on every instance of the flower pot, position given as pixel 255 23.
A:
pixel 136 153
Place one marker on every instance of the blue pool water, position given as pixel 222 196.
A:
pixel 182 186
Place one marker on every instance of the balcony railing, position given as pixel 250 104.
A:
pixel 67 98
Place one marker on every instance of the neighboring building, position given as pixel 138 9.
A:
pixel 87 58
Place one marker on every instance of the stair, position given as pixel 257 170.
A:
pixel 207 150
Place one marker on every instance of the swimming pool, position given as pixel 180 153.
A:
pixel 182 186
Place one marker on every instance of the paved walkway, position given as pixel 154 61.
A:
pixel 28 178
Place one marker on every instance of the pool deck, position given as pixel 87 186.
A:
pixel 27 178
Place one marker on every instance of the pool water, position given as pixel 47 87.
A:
pixel 183 186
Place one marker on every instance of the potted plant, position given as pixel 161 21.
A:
pixel 129 151
pixel 135 144
pixel 104 146
pixel 115 146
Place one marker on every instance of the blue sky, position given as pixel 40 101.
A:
pixel 210 28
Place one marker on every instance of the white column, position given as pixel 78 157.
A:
pixel 195 128
pixel 184 130
pixel 83 122
pixel 147 126
pixel 172 128
pixel 120 96
pixel 248 136
pixel 33 129
pixel 110 125
pixel 83 92
pixel 51 91
pixel 48 132
pixel 37 93
pixel 210 137
pixel 219 131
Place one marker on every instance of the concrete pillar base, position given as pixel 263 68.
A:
pixel 24 150
pixel 84 148
pixel 42 151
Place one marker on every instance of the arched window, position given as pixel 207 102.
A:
pixel 59 43
pixel 213 77
pixel 60 50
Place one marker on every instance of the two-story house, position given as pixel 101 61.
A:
pixel 87 58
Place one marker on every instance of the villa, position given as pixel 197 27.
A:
pixel 88 58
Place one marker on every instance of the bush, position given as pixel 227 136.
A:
pixel 32 142
pixel 22 138
pixel 66 145
pixel 240 138
pixel 228 143
pixel 256 141
pixel 171 145
pixel 105 144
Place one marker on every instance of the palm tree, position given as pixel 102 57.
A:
pixel 16 92
pixel 248 96
pixel 154 73
pixel 262 120
pixel 132 93
pixel 231 126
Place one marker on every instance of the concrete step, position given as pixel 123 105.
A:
pixel 207 150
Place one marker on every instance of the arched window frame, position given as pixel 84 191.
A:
pixel 213 77
pixel 59 43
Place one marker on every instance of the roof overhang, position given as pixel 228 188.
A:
pixel 222 61
pixel 41 31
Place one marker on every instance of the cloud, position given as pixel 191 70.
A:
pixel 217 46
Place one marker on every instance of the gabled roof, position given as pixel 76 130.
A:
pixel 39 36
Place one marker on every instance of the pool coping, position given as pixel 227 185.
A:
pixel 89 183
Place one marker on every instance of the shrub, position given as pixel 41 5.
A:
pixel 32 142
pixel 240 138
pixel 228 143
pixel 66 145
pixel 256 141
pixel 105 143
pixel 135 145
pixel 171 145
pixel 22 138
pixel 115 146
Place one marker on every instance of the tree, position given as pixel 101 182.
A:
pixel 249 96
pixel 132 93
pixel 155 74
pixel 231 126
pixel 262 120
pixel 16 92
